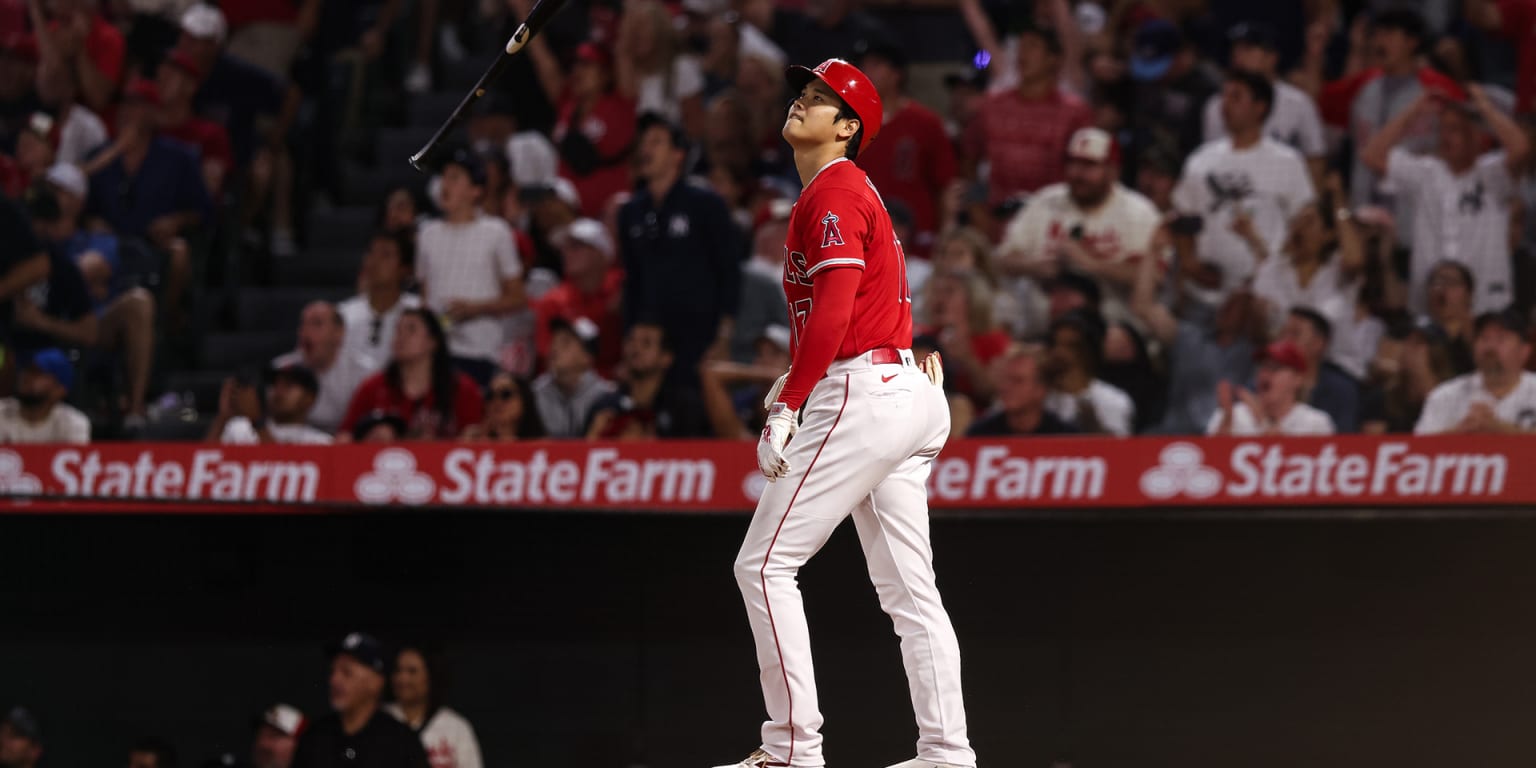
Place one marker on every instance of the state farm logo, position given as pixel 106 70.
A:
pixel 394 477
pixel 14 478
pixel 1181 469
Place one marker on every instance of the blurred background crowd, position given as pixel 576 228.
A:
pixel 1119 216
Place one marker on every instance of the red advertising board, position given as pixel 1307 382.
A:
pixel 722 476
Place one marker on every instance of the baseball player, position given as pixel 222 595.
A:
pixel 866 423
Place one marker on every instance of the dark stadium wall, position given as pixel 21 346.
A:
pixel 613 641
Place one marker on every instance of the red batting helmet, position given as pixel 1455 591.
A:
pixel 848 83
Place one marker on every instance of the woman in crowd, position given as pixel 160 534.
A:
pixel 960 318
pixel 509 412
pixel 1408 365
pixel 651 70
pixel 420 384
pixel 418 683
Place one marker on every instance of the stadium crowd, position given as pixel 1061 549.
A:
pixel 1141 216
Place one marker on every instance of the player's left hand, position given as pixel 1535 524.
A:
pixel 933 365
pixel 781 426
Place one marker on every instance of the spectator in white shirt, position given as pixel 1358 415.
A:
pixel 322 335
pixel 1243 189
pixel 291 393
pixel 566 392
pixel 1500 396
pixel 1275 407
pixel 370 316
pixel 1078 397
pixel 469 268
pixel 419 682
pixel 1090 224
pixel 1294 120
pixel 1460 197
pixel 38 413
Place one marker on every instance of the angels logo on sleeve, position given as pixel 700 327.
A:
pixel 830 235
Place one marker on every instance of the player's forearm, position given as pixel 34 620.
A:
pixel 832 312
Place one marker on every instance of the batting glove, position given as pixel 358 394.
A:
pixel 773 391
pixel 781 426
pixel 933 365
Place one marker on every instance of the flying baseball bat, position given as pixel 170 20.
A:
pixel 542 12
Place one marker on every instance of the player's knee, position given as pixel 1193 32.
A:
pixel 748 569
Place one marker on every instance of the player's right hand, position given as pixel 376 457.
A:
pixel 781 425
pixel 773 391
pixel 933 365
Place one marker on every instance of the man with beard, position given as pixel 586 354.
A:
pixel 1089 225
pixel 38 413
pixel 646 405
pixel 1274 406
pixel 1499 397
pixel 1078 396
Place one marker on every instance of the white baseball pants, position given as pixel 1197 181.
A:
pixel 866 444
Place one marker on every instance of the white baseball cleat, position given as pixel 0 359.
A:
pixel 758 759
pixel 921 763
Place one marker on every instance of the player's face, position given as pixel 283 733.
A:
pixel 1087 181
pixel 1500 351
pixel 813 119
pixel 271 748
pixel 410 679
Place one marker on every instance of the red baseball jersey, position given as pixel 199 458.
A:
pixel 840 222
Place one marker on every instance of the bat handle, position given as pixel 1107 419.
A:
pixel 416 159
pixel 518 39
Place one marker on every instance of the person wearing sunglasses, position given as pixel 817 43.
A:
pixel 509 412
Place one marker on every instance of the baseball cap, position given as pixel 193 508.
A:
pixel 205 22
pixel 40 124
pixel 1094 145
pixel 1284 353
pixel 1255 33
pixel 283 717
pixel 23 722
pixel 68 177
pixel 851 85
pixel 298 374
pixel 582 328
pixel 364 648
pixel 55 363
pixel 777 335
pixel 1153 48
pixel 590 232
pixel 472 163
pixel 1510 319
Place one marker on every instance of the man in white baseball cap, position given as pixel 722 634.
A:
pixel 1089 225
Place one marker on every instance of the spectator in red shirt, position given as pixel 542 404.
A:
pixel 80 40
pixel 596 124
pixel 420 384
pixel 177 80
pixel 593 287
pixel 1023 133
pixel 914 161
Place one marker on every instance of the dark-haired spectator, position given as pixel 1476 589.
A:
pixel 1327 387
pixel 37 413
pixel 420 385
pixel 913 161
pixel 1199 355
pixel 379 426
pixel 592 287
pixel 680 251
pixel 566 393
pixel 1294 120
pixel 1078 396
pixel 419 683
pixel 1274 407
pixel 510 413
pixel 277 733
pixel 358 733
pixel 1500 396
pixel 647 404
pixel 401 211
pixel 469 268
pixel 1127 365
pixel 78 43
pixel 1090 224
pixel 1021 133
pixel 1243 188
pixel 322 349
pixel 21 741
pixel 291 392
pixel 1459 195
pixel 176 82
pixel 1448 303
pixel 370 316
pixel 1172 84
pixel 959 315
pixel 151 753
pixel 1070 291
pixel 1021 396
pixel 1410 363
pixel 596 122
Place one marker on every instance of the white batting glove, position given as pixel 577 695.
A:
pixel 933 365
pixel 781 426
pixel 773 391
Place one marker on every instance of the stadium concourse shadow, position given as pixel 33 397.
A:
pixel 609 641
